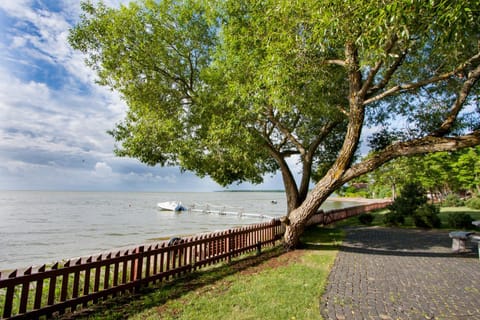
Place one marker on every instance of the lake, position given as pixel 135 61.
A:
pixel 39 227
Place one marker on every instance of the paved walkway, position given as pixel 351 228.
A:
pixel 383 273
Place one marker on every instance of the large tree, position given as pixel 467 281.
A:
pixel 233 89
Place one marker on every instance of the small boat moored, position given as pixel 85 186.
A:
pixel 171 206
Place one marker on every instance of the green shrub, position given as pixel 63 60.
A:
pixel 365 218
pixel 459 220
pixel 453 200
pixel 426 216
pixel 393 218
pixel 412 196
pixel 473 203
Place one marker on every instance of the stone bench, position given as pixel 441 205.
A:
pixel 476 238
pixel 459 239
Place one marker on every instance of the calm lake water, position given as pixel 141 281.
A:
pixel 43 227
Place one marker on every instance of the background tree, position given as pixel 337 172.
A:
pixel 467 169
pixel 232 89
pixel 440 173
pixel 392 177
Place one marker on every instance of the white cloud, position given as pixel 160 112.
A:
pixel 54 118
pixel 102 169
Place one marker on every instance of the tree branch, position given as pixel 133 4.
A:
pixel 373 72
pixel 423 145
pixel 419 84
pixel 388 75
pixel 286 132
pixel 338 62
pixel 324 131
pixel 446 126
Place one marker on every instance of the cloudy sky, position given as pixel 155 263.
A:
pixel 53 118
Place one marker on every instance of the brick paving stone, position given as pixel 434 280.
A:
pixel 389 273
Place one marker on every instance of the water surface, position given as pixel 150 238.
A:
pixel 42 227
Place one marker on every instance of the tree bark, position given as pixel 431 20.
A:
pixel 299 217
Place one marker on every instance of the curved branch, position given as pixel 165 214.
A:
pixel 286 132
pixel 373 72
pixel 289 183
pixel 446 126
pixel 388 75
pixel 423 145
pixel 419 84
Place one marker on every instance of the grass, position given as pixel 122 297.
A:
pixel 274 285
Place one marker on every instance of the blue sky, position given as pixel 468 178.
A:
pixel 54 118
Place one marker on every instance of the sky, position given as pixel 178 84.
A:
pixel 54 118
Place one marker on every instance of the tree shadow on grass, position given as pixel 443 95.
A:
pixel 157 295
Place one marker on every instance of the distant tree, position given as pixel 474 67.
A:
pixel 440 173
pixel 394 175
pixel 435 173
pixel 467 169
pixel 232 89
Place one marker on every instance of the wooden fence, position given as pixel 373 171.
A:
pixel 43 291
pixel 332 216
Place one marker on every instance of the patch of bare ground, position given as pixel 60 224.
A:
pixel 284 259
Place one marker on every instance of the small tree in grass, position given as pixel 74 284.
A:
pixel 411 197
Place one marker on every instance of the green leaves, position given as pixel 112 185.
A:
pixel 231 89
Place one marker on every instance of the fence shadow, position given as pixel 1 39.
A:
pixel 157 295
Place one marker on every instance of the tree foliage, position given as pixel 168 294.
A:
pixel 441 173
pixel 232 89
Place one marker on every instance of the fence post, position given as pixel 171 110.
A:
pixel 138 265
pixel 7 312
pixel 230 247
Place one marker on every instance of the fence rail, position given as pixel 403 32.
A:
pixel 332 216
pixel 39 292
pixel 43 291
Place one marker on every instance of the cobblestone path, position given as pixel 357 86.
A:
pixel 383 273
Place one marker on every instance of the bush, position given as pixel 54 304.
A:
pixel 460 220
pixel 453 200
pixel 393 218
pixel 426 216
pixel 473 203
pixel 411 197
pixel 365 218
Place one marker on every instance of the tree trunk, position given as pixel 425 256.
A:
pixel 298 218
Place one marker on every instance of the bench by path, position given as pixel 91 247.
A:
pixel 383 273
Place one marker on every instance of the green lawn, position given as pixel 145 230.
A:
pixel 275 285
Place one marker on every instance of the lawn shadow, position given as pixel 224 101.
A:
pixel 157 295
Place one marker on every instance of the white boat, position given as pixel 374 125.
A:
pixel 171 206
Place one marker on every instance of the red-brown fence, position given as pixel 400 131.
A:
pixel 43 291
pixel 344 213
pixel 40 292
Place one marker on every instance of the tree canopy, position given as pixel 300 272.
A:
pixel 232 89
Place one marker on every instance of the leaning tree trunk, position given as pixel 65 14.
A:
pixel 298 218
